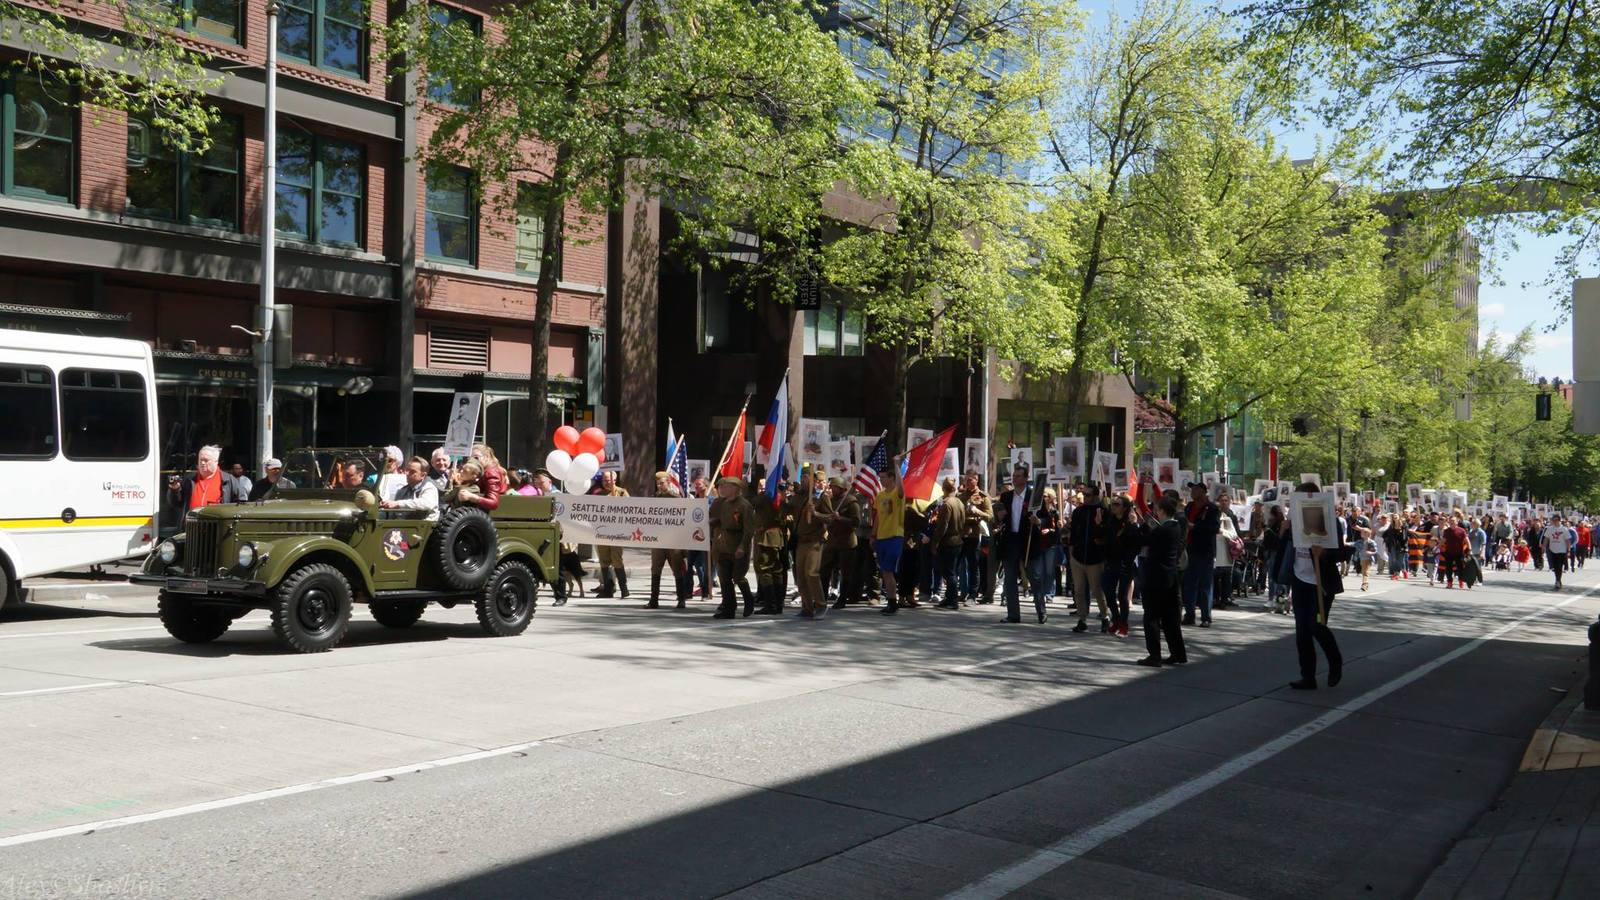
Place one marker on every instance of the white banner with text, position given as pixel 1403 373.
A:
pixel 643 523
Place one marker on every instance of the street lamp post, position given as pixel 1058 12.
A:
pixel 269 202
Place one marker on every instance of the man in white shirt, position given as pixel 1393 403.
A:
pixel 1557 543
pixel 418 493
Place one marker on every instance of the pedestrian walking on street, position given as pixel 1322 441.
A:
pixel 613 577
pixel 810 511
pixel 673 560
pixel 1010 539
pixel 732 532
pixel 1043 545
pixel 1556 542
pixel 1200 542
pixel 1316 583
pixel 1086 539
pixel 949 527
pixel 1160 577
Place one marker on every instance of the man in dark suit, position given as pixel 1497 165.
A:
pixel 1200 542
pixel 1013 519
pixel 1316 583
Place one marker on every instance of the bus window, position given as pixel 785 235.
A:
pixel 103 415
pixel 28 396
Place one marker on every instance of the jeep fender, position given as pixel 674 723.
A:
pixel 286 555
pixel 545 562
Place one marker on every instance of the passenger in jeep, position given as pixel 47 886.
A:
pixel 418 493
pixel 491 481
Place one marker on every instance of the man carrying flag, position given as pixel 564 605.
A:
pixel 770 538
pixel 879 481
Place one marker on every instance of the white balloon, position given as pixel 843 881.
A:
pixel 583 467
pixel 557 462
pixel 573 486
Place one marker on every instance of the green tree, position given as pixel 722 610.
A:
pixel 1495 99
pixel 959 87
pixel 728 108
pixel 142 66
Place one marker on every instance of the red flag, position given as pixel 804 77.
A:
pixel 922 465
pixel 733 457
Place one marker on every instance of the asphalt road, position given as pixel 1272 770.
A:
pixel 615 752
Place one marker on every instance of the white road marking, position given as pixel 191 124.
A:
pixel 68 688
pixel 1041 862
pixel 258 796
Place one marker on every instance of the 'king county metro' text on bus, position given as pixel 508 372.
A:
pixel 77 455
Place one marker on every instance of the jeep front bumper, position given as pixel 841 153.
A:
pixel 230 587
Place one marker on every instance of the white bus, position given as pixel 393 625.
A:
pixel 78 479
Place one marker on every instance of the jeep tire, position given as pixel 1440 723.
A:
pixel 507 603
pixel 312 609
pixel 397 613
pixel 191 622
pixel 464 547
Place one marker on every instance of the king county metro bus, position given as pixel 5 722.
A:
pixel 78 466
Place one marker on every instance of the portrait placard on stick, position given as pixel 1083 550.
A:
pixel 1022 457
pixel 1312 477
pixel 1313 520
pixel 1105 462
pixel 1167 473
pixel 975 453
pixel 813 441
pixel 1069 458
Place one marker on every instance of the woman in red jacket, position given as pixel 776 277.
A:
pixel 492 483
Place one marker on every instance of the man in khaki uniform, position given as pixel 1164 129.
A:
pixel 673 559
pixel 769 543
pixel 979 512
pixel 811 512
pixel 949 526
pixel 732 528
pixel 839 550
pixel 610 557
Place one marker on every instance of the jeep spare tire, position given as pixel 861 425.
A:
pixel 464 547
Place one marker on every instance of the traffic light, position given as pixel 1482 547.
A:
pixel 1541 407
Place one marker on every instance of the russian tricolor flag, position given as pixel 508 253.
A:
pixel 774 439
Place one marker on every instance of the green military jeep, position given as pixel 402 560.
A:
pixel 310 552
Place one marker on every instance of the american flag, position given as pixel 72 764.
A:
pixel 678 466
pixel 867 479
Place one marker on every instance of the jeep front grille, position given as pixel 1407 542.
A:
pixel 200 546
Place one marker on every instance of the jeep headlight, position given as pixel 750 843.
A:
pixel 247 555
pixel 167 553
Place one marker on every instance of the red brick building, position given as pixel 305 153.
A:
pixel 393 272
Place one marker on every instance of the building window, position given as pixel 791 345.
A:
pixel 727 320
pixel 215 19
pixel 321 189
pixel 530 229
pixel 444 18
pixel 37 135
pixel 833 329
pixel 178 186
pixel 329 34
pixel 103 415
pixel 450 220
pixel 28 396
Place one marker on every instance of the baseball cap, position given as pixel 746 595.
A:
pixel 272 463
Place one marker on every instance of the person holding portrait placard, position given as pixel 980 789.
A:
pixel 1318 543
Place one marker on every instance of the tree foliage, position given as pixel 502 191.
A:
pixel 144 66
pixel 947 146
pixel 1495 100
pixel 727 109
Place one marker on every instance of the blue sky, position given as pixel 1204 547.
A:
pixel 1513 293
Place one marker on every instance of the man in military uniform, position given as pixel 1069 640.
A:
pixel 949 523
pixel 811 512
pixel 769 544
pixel 732 528
pixel 839 550
pixel 673 559
pixel 610 557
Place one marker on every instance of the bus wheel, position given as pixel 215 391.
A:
pixel 312 612
pixel 190 622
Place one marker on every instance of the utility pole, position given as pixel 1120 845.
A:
pixel 269 235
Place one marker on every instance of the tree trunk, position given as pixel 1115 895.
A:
pixel 1180 436
pixel 897 396
pixel 1080 328
pixel 555 223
